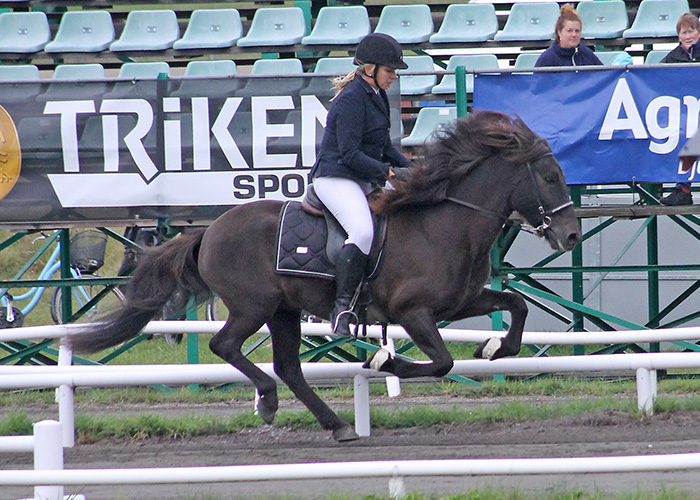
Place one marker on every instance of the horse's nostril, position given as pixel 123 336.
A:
pixel 574 238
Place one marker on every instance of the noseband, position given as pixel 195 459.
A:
pixel 546 220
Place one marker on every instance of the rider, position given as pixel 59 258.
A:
pixel 355 158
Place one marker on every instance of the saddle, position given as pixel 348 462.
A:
pixel 309 240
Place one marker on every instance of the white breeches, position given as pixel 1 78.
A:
pixel 347 201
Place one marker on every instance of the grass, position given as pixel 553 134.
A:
pixel 594 396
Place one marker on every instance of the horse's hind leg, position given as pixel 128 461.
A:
pixel 227 344
pixel 421 327
pixel 285 329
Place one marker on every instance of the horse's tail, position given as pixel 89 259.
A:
pixel 161 271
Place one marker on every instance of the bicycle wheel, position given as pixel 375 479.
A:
pixel 110 301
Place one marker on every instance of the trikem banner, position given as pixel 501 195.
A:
pixel 182 149
pixel 608 126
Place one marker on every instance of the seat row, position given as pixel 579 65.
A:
pixel 156 30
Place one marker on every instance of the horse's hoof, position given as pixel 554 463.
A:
pixel 266 409
pixel 344 434
pixel 488 349
pixel 378 359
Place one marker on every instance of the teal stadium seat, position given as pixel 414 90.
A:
pixel 527 59
pixel 471 22
pixel 13 92
pixel 275 26
pixel 530 21
pixel 84 84
pixel 271 86
pixel 417 84
pixel 656 18
pixel 476 61
pixel 83 31
pixel 607 57
pixel 429 120
pixel 336 66
pixel 148 30
pixel 138 71
pixel 23 32
pixel 143 70
pixel 339 25
pixel 655 56
pixel 198 82
pixel 603 19
pixel 40 138
pixel 406 23
pixel 211 29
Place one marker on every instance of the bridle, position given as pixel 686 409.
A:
pixel 544 214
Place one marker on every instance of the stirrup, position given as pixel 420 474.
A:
pixel 334 324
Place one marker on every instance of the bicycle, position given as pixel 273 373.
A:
pixel 87 257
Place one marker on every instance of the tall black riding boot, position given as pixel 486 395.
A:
pixel 349 271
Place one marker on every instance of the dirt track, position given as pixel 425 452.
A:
pixel 602 433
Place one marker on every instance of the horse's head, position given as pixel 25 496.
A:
pixel 541 197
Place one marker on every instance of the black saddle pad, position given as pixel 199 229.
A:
pixel 301 244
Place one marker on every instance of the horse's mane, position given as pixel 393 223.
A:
pixel 457 149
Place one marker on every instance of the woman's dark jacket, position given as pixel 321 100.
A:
pixel 575 56
pixel 356 143
pixel 680 55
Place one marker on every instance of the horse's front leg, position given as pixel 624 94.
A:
pixel 490 301
pixel 420 325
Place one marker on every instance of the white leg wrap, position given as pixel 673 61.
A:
pixel 379 358
pixel 491 347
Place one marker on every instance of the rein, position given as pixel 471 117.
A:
pixel 546 214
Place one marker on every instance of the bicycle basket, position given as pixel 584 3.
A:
pixel 87 251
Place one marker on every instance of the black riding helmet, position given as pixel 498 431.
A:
pixel 379 48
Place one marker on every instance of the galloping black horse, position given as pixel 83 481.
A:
pixel 443 220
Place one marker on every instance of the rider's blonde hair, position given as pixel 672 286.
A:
pixel 340 82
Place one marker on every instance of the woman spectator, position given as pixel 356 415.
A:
pixel 688 50
pixel 567 49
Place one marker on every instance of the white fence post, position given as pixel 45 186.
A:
pixel 361 392
pixel 65 397
pixel 48 455
pixel 393 384
pixel 646 389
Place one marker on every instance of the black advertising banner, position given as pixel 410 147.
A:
pixel 181 148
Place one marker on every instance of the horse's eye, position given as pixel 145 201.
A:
pixel 550 178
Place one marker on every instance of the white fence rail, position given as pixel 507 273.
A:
pixel 66 378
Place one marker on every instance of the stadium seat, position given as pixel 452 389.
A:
pixel 275 26
pixel 477 61
pixel 526 59
pixel 23 32
pixel 147 30
pixel 196 85
pixel 417 84
pixel 11 92
pixel 406 23
pixel 339 25
pixel 428 120
pixel 655 56
pixel 656 18
pixel 471 22
pixel 84 84
pixel 608 57
pixel 211 29
pixel 271 86
pixel 143 70
pixel 138 71
pixel 322 86
pixel 40 138
pixel 83 31
pixel 530 21
pixel 606 19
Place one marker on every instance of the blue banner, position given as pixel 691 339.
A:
pixel 607 126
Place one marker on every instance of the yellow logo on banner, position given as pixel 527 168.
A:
pixel 10 154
